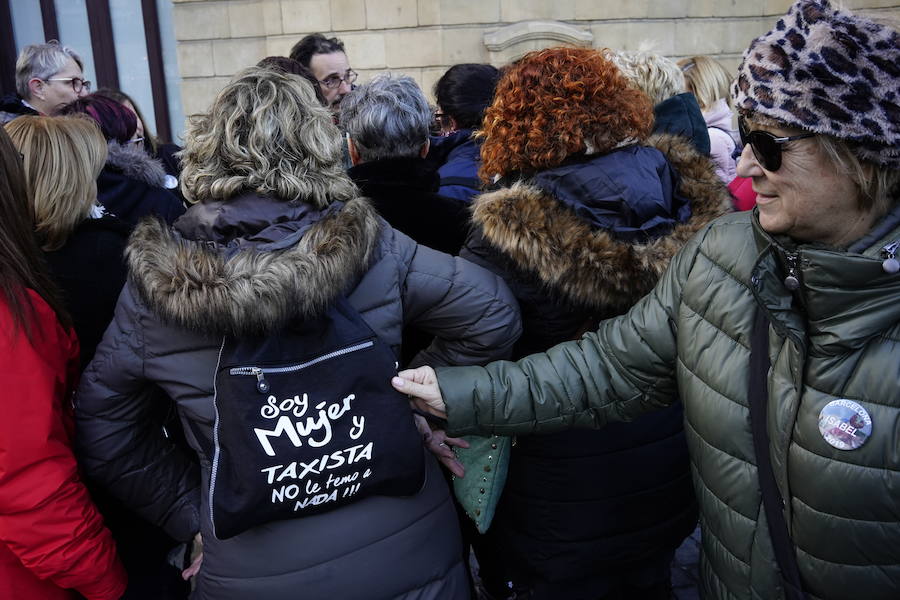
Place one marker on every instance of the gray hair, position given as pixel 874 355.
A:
pixel 389 117
pixel 42 61
pixel 652 73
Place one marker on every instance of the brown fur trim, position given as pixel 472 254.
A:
pixel 193 286
pixel 589 266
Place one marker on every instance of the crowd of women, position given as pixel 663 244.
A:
pixel 619 351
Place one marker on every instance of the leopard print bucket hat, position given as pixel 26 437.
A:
pixel 827 71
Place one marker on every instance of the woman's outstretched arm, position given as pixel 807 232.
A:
pixel 624 369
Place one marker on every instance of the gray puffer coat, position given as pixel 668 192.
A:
pixel 272 260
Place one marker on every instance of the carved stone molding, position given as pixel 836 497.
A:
pixel 510 43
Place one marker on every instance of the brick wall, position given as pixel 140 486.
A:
pixel 421 38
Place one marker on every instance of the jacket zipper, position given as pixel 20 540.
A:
pixel 792 281
pixel 260 372
pixel 890 264
pixel 214 469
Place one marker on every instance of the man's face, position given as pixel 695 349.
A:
pixel 331 70
pixel 51 96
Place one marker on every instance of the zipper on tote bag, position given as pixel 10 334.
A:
pixel 260 372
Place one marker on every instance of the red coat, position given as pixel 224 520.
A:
pixel 51 535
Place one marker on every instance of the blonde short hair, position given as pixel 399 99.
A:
pixel 63 157
pixel 707 79
pixel 654 74
pixel 879 186
pixel 265 133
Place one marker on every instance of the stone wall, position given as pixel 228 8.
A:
pixel 421 38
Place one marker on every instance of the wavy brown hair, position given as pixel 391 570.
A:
pixel 555 103
pixel 265 133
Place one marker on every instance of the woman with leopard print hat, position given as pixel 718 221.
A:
pixel 778 329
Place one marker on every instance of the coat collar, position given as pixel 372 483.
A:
pixel 251 221
pixel 589 266
pixel 134 163
pixel 846 297
pixel 380 177
pixel 236 274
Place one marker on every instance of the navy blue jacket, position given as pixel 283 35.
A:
pixel 457 159
pixel 630 192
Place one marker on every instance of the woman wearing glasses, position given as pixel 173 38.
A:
pixel 48 76
pixel 778 329
pixel 132 184
pixel 462 93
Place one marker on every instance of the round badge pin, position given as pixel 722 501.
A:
pixel 845 424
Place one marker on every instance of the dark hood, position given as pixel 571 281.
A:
pixel 681 115
pixel 12 103
pixel 248 265
pixel 630 192
pixel 590 265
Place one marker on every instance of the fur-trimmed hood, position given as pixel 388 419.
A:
pixel 222 270
pixel 590 266
pixel 133 162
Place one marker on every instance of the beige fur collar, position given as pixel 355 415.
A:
pixel 588 266
pixel 193 285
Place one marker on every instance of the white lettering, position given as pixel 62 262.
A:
pixel 283 426
pixel 286 491
pixel 300 470
pixel 291 472
pixel 316 500
pixel 359 424
pixel 270 477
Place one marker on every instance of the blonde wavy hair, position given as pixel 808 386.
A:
pixel 265 133
pixel 63 157
pixel 652 73
pixel 707 79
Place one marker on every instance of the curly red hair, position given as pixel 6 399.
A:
pixel 557 102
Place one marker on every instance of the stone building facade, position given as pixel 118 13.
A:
pixel 422 38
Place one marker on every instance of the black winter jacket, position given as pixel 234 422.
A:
pixel 11 106
pixel 404 191
pixel 580 507
pixel 165 338
pixel 132 185
pixel 90 270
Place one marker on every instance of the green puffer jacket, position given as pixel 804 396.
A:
pixel 839 339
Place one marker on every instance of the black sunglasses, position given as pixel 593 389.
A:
pixel 767 147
